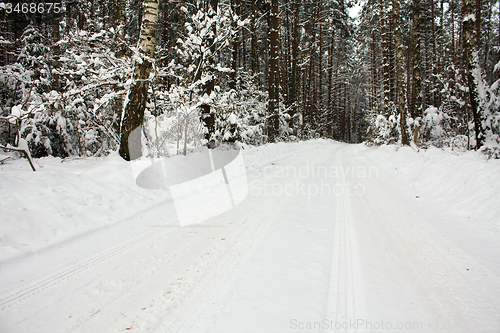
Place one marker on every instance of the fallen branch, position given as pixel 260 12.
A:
pixel 21 151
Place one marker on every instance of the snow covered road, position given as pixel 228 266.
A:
pixel 328 240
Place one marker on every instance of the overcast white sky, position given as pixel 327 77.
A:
pixel 353 12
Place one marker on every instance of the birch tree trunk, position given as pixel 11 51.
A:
pixel 400 94
pixel 130 141
pixel 119 23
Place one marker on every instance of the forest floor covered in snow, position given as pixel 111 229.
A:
pixel 328 237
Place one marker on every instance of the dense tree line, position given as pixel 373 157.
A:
pixel 160 77
pixel 445 92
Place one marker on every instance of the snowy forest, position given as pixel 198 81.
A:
pixel 158 78
pixel 225 166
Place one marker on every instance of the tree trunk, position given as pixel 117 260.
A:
pixel 294 80
pixel 330 72
pixel 399 71
pixel 434 55
pixel 130 143
pixel 471 52
pixel 286 56
pixel 254 60
pixel 319 87
pixel 385 56
pixel 374 73
pixel 235 46
pixel 273 126
pixel 91 22
pixel 478 23
pixel 310 77
pixel 440 42
pixel 330 86
pixel 207 116
pixel 392 59
pixel 56 36
pixel 119 23
pixel 453 53
pixel 416 105
pixel 69 21
pixel 104 14
pixel 425 62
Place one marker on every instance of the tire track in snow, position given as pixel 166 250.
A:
pixel 345 303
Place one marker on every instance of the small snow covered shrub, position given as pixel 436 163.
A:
pixel 252 113
pixel 433 126
pixel 386 130
pixel 491 151
pixel 229 127
pixel 48 134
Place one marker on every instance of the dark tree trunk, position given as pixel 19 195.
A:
pixel 399 71
pixel 253 42
pixel 235 4
pixel 453 53
pixel 471 49
pixel 309 106
pixel 416 105
pixel 385 56
pixel 434 55
pixel 207 116
pixel 273 120
pixel 294 80
pixel 56 36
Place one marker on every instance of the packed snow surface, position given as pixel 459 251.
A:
pixel 328 237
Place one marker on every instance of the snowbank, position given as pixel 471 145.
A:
pixel 459 191
pixel 63 200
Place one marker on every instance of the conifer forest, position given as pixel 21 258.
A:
pixel 158 78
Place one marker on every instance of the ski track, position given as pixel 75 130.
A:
pixel 32 289
pixel 345 301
